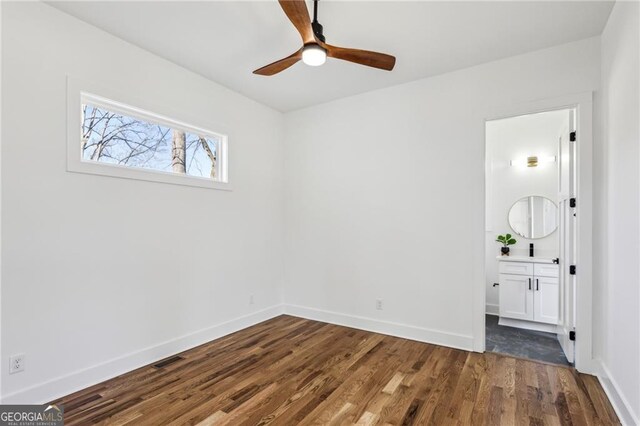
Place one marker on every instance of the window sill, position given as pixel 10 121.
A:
pixel 122 172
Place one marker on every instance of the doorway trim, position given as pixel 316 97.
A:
pixel 583 103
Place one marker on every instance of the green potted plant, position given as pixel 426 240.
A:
pixel 506 241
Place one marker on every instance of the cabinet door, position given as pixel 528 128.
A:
pixel 546 302
pixel 516 296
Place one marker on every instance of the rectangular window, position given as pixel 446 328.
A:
pixel 117 137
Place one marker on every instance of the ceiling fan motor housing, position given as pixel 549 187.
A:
pixel 317 30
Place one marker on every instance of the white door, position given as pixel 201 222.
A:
pixel 516 296
pixel 546 300
pixel 566 229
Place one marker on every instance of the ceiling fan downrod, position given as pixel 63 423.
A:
pixel 315 25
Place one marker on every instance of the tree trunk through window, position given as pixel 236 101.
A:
pixel 179 152
pixel 210 154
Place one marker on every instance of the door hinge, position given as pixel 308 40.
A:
pixel 572 269
pixel 572 203
pixel 572 335
pixel 572 137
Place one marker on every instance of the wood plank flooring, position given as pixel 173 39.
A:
pixel 290 371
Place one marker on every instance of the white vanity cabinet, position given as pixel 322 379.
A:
pixel 529 291
pixel 516 297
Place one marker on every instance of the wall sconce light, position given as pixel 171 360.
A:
pixel 532 161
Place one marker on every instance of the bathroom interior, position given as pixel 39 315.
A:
pixel 530 235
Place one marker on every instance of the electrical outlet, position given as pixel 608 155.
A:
pixel 379 304
pixel 16 363
pixel 251 300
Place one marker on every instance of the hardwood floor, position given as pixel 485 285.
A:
pixel 289 371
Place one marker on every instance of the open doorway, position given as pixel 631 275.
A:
pixel 530 239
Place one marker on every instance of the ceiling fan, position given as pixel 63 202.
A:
pixel 314 50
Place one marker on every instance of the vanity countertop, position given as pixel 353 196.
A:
pixel 525 259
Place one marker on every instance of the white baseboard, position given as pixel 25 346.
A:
pixel 616 397
pixel 491 309
pixel 56 388
pixel 420 334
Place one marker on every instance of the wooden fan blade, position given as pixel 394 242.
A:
pixel 281 65
pixel 298 14
pixel 362 57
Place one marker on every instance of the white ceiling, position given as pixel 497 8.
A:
pixel 226 41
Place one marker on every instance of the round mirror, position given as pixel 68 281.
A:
pixel 533 217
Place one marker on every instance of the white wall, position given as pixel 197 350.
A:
pixel 385 194
pixel 618 318
pixel 517 138
pixel 103 274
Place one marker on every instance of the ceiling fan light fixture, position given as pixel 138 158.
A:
pixel 314 55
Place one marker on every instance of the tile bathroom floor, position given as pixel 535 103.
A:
pixel 536 345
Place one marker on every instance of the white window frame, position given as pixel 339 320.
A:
pixel 79 93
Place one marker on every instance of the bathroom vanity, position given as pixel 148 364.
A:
pixel 529 292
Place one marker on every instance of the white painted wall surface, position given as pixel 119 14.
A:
pixel 385 193
pixel 517 138
pixel 618 316
pixel 106 274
